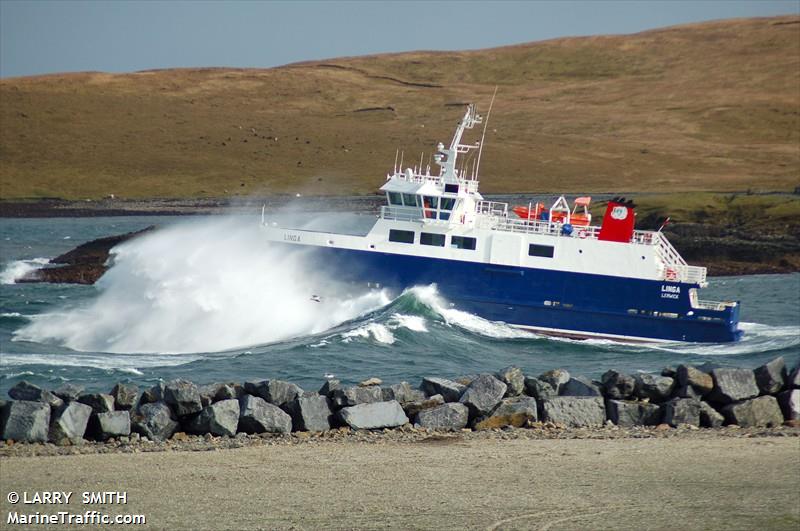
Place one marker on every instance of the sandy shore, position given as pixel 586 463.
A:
pixel 693 482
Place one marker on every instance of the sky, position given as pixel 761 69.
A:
pixel 43 36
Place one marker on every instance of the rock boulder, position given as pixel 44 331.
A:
pixel 515 411
pixel 373 416
pixel 183 397
pixel 112 424
pixel 125 396
pixel 25 421
pixel 580 386
pixel 617 385
pixel 702 382
pixel 450 390
pixel 771 376
pixel 733 385
pixel 219 418
pixel 790 404
pixel 626 413
pixel 759 412
pixel 483 394
pixel 259 416
pixel 99 402
pixel 450 416
pixel 155 420
pixel 513 378
pixel 310 413
pixel 653 387
pixel 575 411
pixel 68 423
pixel 682 411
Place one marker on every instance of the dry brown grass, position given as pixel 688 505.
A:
pixel 712 106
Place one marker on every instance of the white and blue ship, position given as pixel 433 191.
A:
pixel 548 270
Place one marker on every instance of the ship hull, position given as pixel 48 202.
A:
pixel 545 301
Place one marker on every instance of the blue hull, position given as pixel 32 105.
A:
pixel 572 304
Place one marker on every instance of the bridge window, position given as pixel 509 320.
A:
pixel 451 188
pixel 446 205
pixel 401 236
pixel 463 242
pixel 542 251
pixel 427 238
pixel 395 198
pixel 430 204
pixel 410 200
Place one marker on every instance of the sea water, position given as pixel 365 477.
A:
pixel 208 299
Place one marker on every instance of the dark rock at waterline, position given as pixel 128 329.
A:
pixel 83 265
pixel 413 408
pixel 310 413
pixel 575 411
pixel 352 396
pixel 155 420
pixel 653 387
pixel 219 418
pixel 450 390
pixel 702 382
pixel 763 411
pixel 771 376
pixel 682 411
pixel 402 392
pixel 710 417
pixel 687 391
pixel 329 387
pixel 30 392
pixel 277 392
pixel 216 392
pixel 617 385
pixel 627 413
pixel 513 378
pixel 25 421
pixel 374 415
pixel 69 392
pixel 556 378
pixel 112 424
pixel 483 394
pixel 538 389
pixel 152 395
pixel 515 411
pixel 794 378
pixel 68 423
pixel 183 397
pixel 125 396
pixel 450 416
pixel 259 416
pixel 99 402
pixel 732 385
pixel 580 386
pixel 790 404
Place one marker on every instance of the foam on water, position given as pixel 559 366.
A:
pixel 19 268
pixel 205 286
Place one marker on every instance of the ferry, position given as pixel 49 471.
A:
pixel 547 270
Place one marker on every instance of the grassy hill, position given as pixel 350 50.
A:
pixel 712 106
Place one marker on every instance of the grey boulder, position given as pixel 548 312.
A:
pixel 759 412
pixel 155 421
pixel 627 413
pixel 183 396
pixel 579 386
pixel 153 394
pixel 25 421
pixel 33 393
pixel 373 416
pixel 352 396
pixel 555 378
pixel 794 377
pixel 575 411
pixel 412 408
pixel 219 418
pixel 450 390
pixel 710 417
pixel 69 392
pixel 112 424
pixel 539 389
pixel 515 411
pixel 483 394
pixel 259 416
pixel 329 387
pixel 277 392
pixel 771 376
pixel 733 385
pixel 617 385
pixel 99 402
pixel 682 411
pixel 125 395
pixel 310 413
pixel 653 387
pixel 513 378
pixel 702 382
pixel 68 423
pixel 401 392
pixel 790 404
pixel 450 416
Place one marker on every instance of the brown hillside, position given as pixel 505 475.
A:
pixel 712 106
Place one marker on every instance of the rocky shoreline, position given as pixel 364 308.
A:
pixel 180 415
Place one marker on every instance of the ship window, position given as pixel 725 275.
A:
pixel 410 200
pixel 395 198
pixel 427 238
pixel 401 236
pixel 430 204
pixel 463 242
pixel 448 203
pixel 543 251
pixel 444 215
pixel 633 311
pixel 451 188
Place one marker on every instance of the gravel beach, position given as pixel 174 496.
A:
pixel 545 478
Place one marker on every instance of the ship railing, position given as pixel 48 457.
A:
pixel 713 305
pixel 468 185
pixel 685 273
pixel 666 252
pixel 492 208
pixel 399 213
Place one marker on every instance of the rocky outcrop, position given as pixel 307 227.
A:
pixel 259 416
pixel 183 397
pixel 155 421
pixel 310 413
pixel 759 412
pixel 575 411
pixel 733 385
pixel 513 378
pixel 69 392
pixel 25 421
pixel 450 416
pixel 219 418
pixel 33 393
pixel 771 376
pixel 374 415
pixel 483 394
pixel 125 396
pixel 450 390
pixel 617 385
